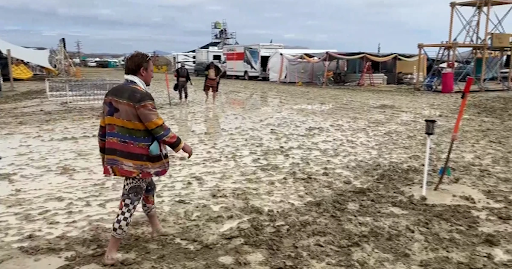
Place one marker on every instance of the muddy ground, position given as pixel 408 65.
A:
pixel 282 177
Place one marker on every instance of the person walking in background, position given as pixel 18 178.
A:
pixel 182 78
pixel 132 140
pixel 212 80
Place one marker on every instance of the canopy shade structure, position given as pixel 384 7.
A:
pixel 290 65
pixel 303 65
pixel 38 57
pixel 376 57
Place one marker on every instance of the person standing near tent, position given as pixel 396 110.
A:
pixel 132 140
pixel 212 80
pixel 182 78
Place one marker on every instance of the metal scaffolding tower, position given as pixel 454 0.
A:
pixel 221 34
pixel 485 47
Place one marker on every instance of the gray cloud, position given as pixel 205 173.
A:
pixel 178 25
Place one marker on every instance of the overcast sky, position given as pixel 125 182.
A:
pixel 180 25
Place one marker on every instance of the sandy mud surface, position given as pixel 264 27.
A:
pixel 281 177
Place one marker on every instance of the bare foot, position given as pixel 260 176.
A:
pixel 160 232
pixel 110 259
pixel 111 256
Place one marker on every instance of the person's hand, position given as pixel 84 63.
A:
pixel 191 83
pixel 187 149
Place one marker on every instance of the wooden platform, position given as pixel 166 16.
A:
pixel 482 3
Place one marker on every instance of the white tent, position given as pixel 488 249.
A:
pixel 296 70
pixel 38 57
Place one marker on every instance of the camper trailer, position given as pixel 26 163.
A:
pixel 249 61
pixel 189 59
pixel 205 56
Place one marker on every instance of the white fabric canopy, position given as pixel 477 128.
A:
pixel 294 71
pixel 38 57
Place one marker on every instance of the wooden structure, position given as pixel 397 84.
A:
pixel 9 61
pixel 482 46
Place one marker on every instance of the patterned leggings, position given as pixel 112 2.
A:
pixel 135 189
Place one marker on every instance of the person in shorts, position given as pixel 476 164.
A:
pixel 212 80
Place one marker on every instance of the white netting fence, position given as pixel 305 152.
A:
pixel 79 91
pixel 92 91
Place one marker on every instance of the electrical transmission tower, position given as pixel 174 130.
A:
pixel 78 47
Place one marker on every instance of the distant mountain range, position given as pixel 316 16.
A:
pixel 296 47
pixel 160 52
pixel 74 54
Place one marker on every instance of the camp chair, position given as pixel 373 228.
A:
pixel 431 83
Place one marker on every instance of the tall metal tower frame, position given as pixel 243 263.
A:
pixel 78 46
pixel 473 39
pixel 220 33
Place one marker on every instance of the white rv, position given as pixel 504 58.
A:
pixel 189 59
pixel 249 61
pixel 205 56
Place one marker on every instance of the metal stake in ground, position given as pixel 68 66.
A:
pixel 455 134
pixel 167 84
pixel 429 130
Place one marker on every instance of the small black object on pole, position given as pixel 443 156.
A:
pixel 429 130
pixel 429 127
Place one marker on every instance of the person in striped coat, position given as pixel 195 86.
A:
pixel 133 141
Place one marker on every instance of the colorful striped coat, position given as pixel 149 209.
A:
pixel 129 124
